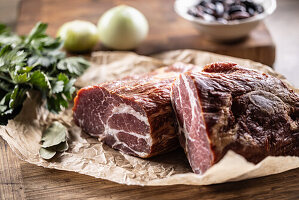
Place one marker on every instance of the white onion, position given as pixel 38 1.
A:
pixel 122 28
pixel 78 35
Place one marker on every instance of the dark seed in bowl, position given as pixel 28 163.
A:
pixel 251 11
pixel 219 9
pixel 259 8
pixel 225 10
pixel 239 15
pixel 236 8
pixel 195 12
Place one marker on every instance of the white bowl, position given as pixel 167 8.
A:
pixel 233 30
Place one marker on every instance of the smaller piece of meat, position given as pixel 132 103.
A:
pixel 228 107
pixel 134 114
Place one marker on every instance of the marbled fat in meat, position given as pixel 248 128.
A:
pixel 228 107
pixel 134 114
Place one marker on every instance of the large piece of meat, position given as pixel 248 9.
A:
pixel 227 107
pixel 134 114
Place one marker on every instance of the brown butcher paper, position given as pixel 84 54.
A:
pixel 86 155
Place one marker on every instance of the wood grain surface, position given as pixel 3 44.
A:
pixel 21 180
pixel 168 31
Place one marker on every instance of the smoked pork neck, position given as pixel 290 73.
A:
pixel 134 114
pixel 227 107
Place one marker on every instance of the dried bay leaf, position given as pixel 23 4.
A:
pixel 53 140
pixel 54 135
pixel 63 146
pixel 46 153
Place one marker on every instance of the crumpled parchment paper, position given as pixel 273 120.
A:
pixel 88 156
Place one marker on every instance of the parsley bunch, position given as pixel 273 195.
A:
pixel 35 62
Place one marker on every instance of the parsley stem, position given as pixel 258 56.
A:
pixel 4 88
pixel 6 79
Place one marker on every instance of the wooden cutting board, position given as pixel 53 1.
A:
pixel 168 31
pixel 21 180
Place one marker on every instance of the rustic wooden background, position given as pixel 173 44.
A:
pixel 283 26
pixel 167 30
pixel 20 180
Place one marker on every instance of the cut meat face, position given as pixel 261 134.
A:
pixel 227 107
pixel 192 129
pixel 134 114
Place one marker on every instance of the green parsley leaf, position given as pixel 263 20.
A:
pixel 35 62
pixel 37 32
pixel 73 65
pixel 7 37
pixel 58 87
pixel 17 97
pixel 40 80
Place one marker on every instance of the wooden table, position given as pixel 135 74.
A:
pixel 20 180
pixel 168 31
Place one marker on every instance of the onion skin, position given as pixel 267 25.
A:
pixel 78 36
pixel 122 28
